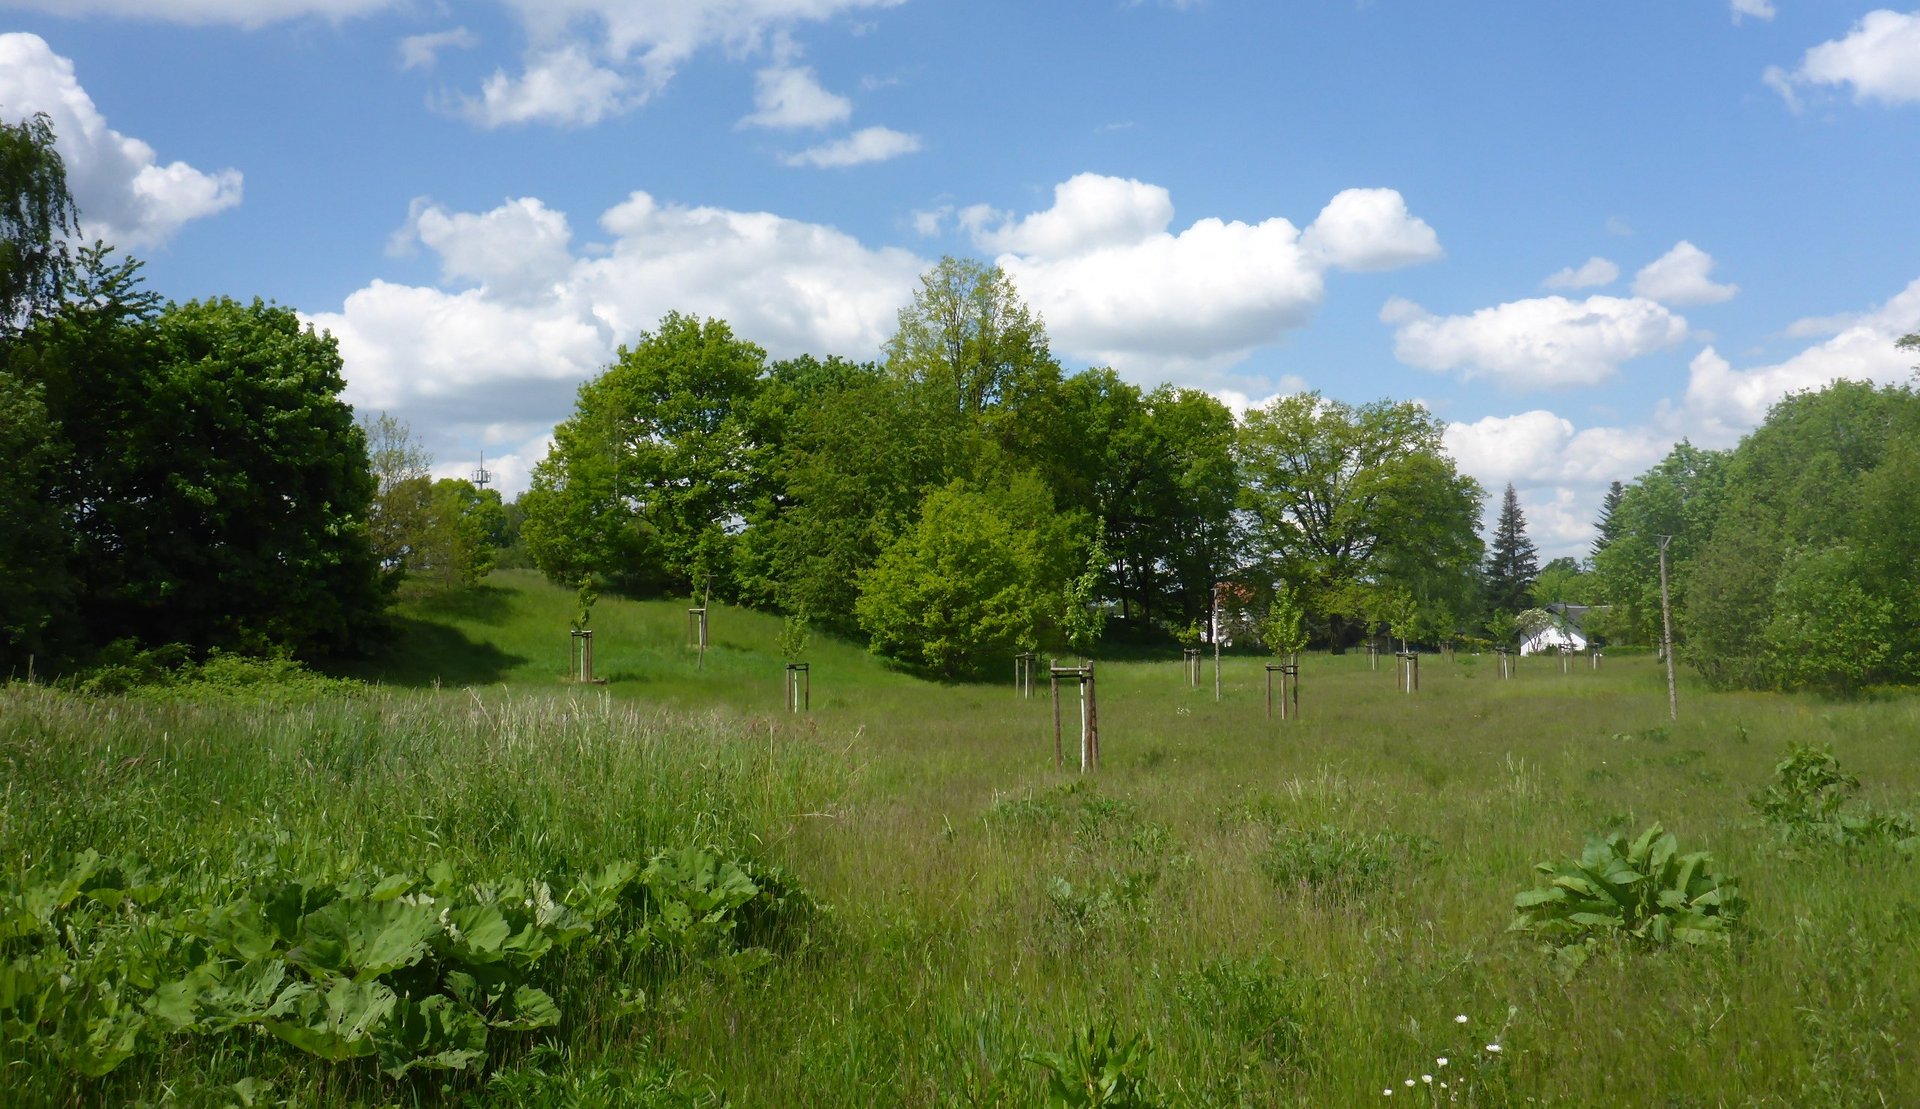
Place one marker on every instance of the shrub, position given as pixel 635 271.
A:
pixel 1645 892
pixel 1811 801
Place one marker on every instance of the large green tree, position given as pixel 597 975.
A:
pixel 1812 568
pixel 968 584
pixel 1346 501
pixel 215 486
pixel 648 481
pixel 1680 497
pixel 1512 561
pixel 969 340
pixel 37 215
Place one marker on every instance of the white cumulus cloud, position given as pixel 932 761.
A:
pixel 1547 342
pixel 1879 59
pixel 1680 277
pixel 1722 402
pixel 869 144
pixel 242 13
pixel 1117 285
pixel 563 86
pixel 1367 230
pixel 1590 274
pixel 1754 9
pixel 422 51
pixel 538 315
pixel 125 194
pixel 787 96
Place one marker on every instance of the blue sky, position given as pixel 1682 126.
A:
pixel 1576 232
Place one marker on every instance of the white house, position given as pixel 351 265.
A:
pixel 1567 627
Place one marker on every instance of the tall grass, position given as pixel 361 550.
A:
pixel 1293 912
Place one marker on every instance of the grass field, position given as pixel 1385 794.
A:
pixel 1289 913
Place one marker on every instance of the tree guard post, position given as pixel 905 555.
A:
pixel 1566 659
pixel 1593 655
pixel 1407 676
pixel 1289 688
pixel 580 662
pixel 1082 676
pixel 697 632
pixel 1506 661
pixel 1190 657
pixel 799 687
pixel 1023 667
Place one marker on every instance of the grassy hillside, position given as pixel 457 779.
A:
pixel 1289 913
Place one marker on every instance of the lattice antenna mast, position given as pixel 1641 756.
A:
pixel 481 476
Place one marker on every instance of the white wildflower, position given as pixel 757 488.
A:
pixel 1461 1019
pixel 1442 1061
pixel 1495 1048
pixel 1427 1078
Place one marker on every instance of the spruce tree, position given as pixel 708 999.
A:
pixel 1608 525
pixel 1511 564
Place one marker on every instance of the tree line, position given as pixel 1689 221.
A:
pixel 187 473
pixel 964 498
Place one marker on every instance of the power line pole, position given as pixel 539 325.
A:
pixel 1666 625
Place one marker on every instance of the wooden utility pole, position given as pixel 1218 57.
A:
pixel 1666 633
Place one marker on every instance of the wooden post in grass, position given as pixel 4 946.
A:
pixel 581 662
pixel 799 687
pixel 1408 671
pixel 1082 676
pixel 1190 658
pixel 1506 661
pixel 1566 658
pixel 580 655
pixel 1023 664
pixel 697 632
pixel 1289 688
pixel 1594 654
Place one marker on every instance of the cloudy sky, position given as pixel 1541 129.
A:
pixel 1576 232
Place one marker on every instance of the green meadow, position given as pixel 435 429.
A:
pixel 1238 911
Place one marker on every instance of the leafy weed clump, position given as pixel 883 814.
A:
pixel 1811 802
pixel 1099 1069
pixel 1260 1003
pixel 1645 892
pixel 1339 863
pixel 410 972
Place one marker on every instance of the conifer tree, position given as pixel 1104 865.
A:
pixel 1511 563
pixel 1608 525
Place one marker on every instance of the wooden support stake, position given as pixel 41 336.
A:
pixel 1053 680
pixel 799 687
pixel 1190 658
pixel 1407 675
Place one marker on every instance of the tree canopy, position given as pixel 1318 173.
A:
pixel 1347 501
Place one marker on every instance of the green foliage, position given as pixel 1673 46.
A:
pixel 1812 802
pixel 35 587
pixel 414 972
pixel 215 485
pixel 646 475
pixel 1341 498
pixel 1644 891
pixel 1284 631
pixel 1512 564
pixel 1681 496
pixel 1826 630
pixel 36 217
pixel 1337 863
pixel 794 638
pixel 1263 1004
pixel 1099 1068
pixel 1082 616
pixel 967 339
pixel 1809 577
pixel 967 586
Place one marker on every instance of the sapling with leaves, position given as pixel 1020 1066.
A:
pixel 794 638
pixel 1285 629
pixel 583 602
pixel 1401 611
pixel 1502 627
